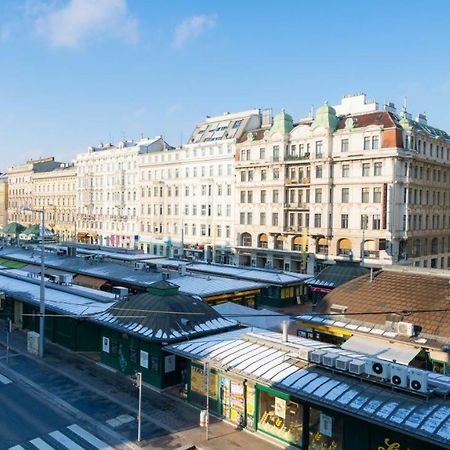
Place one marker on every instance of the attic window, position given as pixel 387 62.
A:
pixel 338 309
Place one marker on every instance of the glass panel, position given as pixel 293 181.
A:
pixel 325 431
pixel 281 418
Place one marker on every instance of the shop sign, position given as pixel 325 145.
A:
pixel 236 401
pixel 198 382
pixel 280 407
pixel 105 344
pixel 169 363
pixel 250 404
pixel 144 359
pixel 326 425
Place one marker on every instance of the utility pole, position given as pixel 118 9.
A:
pixel 206 369
pixel 138 383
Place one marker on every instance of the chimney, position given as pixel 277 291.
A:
pixel 285 330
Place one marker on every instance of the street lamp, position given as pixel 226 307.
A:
pixel 42 290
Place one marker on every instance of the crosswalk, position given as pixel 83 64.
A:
pixel 4 380
pixel 72 437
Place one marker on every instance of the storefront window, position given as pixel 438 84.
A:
pixel 281 418
pixel 232 398
pixel 325 431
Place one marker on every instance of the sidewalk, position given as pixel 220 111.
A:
pixel 174 416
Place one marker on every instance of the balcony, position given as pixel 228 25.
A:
pixel 296 205
pixel 304 180
pixel 296 157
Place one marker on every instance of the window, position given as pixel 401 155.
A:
pixel 262 153
pixel 318 171
pixel 276 153
pixel 249 218
pixel 318 149
pixel 263 174
pixel 345 195
pixel 367 143
pixel 274 219
pixel 242 218
pixel 263 196
pixel 262 218
pixel 375 142
pixel 344 145
pixel 376 222
pixel 364 221
pixel 275 196
pixel 250 175
pixel 249 196
pixel 243 176
pixel 345 170
pixel 318 220
pixel 365 195
pixel 318 195
pixel 242 196
pixel 276 174
pixel 366 170
pixel 325 430
pixel 377 195
pixel 377 169
pixel 344 220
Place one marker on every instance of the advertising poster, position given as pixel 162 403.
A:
pixel 326 425
pixel 144 359
pixel 280 407
pixel 105 346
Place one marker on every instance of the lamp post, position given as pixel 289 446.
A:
pixel 42 290
pixel 364 221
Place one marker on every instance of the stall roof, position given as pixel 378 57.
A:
pixel 260 318
pixel 90 282
pixel 390 351
pixel 254 356
pixel 272 277
pixel 194 284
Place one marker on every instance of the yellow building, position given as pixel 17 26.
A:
pixel 3 199
pixel 55 192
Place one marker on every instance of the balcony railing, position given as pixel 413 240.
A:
pixel 290 157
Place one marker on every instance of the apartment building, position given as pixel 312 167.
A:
pixel 360 182
pixel 188 193
pixel 108 203
pixel 54 191
pixel 21 192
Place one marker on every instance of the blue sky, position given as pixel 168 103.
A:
pixel 78 72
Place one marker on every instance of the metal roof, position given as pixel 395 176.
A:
pixel 194 284
pixel 256 355
pixel 273 277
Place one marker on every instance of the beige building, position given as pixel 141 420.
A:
pixel 55 192
pixel 3 199
pixel 21 189
pixel 108 204
pixel 188 194
pixel 360 183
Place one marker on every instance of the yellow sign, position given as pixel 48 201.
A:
pixel 389 445
pixel 198 382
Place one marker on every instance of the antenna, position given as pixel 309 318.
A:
pixel 405 103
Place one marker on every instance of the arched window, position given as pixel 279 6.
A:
pixel 297 243
pixel 279 242
pixel 263 240
pixel 344 247
pixel 246 240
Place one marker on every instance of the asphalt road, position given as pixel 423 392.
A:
pixel 43 409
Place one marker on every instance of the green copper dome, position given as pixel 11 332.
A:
pixel 326 117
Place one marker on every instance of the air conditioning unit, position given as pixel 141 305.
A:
pixel 66 278
pixel 329 359
pixel 378 368
pixel 303 353
pixel 139 266
pixel 120 292
pixel 405 329
pixel 399 375
pixel 357 366
pixel 342 363
pixel 418 380
pixel 316 356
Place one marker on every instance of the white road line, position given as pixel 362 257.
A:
pixel 41 445
pixel 5 380
pixel 97 443
pixel 64 440
pixel 16 447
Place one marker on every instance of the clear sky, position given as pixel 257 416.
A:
pixel 75 73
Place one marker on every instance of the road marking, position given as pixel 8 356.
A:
pixel 120 420
pixel 4 380
pixel 97 443
pixel 64 440
pixel 16 447
pixel 41 445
